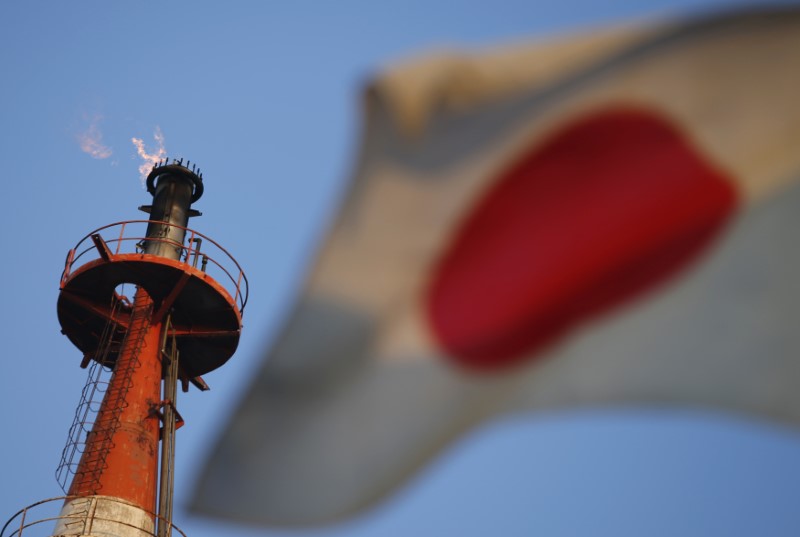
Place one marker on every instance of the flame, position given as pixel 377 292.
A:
pixel 91 140
pixel 150 159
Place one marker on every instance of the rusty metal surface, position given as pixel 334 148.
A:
pixel 205 319
pixel 121 453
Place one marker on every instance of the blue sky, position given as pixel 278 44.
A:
pixel 264 97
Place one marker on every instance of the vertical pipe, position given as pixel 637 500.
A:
pixel 174 188
pixel 166 485
pixel 170 204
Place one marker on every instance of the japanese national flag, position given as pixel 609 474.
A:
pixel 606 218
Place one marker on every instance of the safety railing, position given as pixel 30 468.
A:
pixel 40 519
pixel 130 237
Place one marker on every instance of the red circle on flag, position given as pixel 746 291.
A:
pixel 601 211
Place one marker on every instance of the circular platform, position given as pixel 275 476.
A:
pixel 205 318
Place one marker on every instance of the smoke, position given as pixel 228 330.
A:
pixel 91 140
pixel 150 159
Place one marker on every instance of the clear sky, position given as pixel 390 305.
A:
pixel 264 97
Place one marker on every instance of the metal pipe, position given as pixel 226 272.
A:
pixel 169 354
pixel 174 189
pixel 198 243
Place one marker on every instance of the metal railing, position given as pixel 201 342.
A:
pixel 40 518
pixel 124 238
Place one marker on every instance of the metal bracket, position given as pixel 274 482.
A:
pixel 102 247
pixel 157 410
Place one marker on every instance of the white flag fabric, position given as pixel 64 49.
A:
pixel 606 218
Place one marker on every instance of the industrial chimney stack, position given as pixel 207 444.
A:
pixel 180 324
